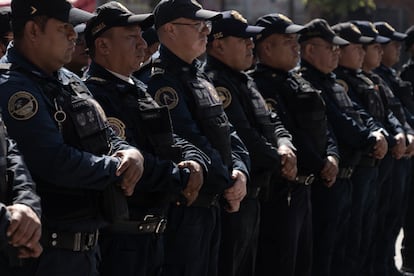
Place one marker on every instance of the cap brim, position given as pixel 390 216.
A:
pixel 253 30
pixel 80 28
pixel 382 39
pixel 365 39
pixel 339 41
pixel 77 16
pixel 398 36
pixel 143 20
pixel 294 28
pixel 207 15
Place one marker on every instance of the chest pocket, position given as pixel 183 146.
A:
pixel 87 128
pixel 342 99
pixel 211 117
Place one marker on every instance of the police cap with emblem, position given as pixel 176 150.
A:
pixel 320 28
pixel 232 24
pixel 25 10
pixel 169 10
pixel 387 30
pixel 114 14
pixel 276 23
pixel 351 33
pixel 368 29
pixel 410 37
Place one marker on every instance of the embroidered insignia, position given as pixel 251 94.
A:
pixel 271 104
pixel 117 126
pixel 225 96
pixel 22 105
pixel 343 84
pixel 166 96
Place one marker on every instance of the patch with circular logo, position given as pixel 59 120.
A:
pixel 271 104
pixel 117 126
pixel 343 84
pixel 225 96
pixel 167 96
pixel 22 105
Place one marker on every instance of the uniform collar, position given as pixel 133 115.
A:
pixel 216 64
pixel 307 68
pixel 274 72
pixel 96 70
pixel 173 62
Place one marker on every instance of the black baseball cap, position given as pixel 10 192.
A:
pixel 320 28
pixel 368 29
pixel 410 37
pixel 387 30
pixel 24 10
pixel 169 10
pixel 276 23
pixel 232 24
pixel 351 33
pixel 114 14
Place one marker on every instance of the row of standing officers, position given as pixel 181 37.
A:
pixel 295 163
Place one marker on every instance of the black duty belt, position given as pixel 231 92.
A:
pixel 253 192
pixel 79 241
pixel 305 179
pixel 345 173
pixel 150 225
pixel 206 200
pixel 367 161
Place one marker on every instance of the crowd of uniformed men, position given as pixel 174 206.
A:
pixel 212 147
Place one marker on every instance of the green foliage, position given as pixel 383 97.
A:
pixel 340 7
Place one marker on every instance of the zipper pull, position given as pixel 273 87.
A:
pixel 289 198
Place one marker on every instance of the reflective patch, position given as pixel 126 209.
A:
pixel 167 96
pixel 117 126
pixel 225 96
pixel 22 105
pixel 343 84
pixel 271 104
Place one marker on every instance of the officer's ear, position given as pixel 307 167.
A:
pixel 169 30
pixel 218 45
pixel 32 30
pixel 101 46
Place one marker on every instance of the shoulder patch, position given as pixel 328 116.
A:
pixel 117 126
pixel 271 104
pixel 22 105
pixel 224 95
pixel 166 96
pixel 343 84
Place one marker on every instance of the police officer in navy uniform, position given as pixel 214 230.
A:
pixel 229 52
pixel 303 112
pixel 356 132
pixel 79 165
pixel 198 116
pixel 151 38
pixel 126 249
pixel 398 94
pixel 6 34
pixel 20 211
pixel 407 245
pixel 363 91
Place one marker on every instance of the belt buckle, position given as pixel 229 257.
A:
pixel 77 241
pixel 162 224
pixel 309 179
